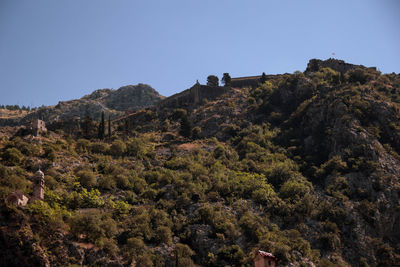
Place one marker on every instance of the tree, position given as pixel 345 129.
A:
pixel 263 78
pixel 183 255
pixel 118 148
pixel 212 80
pixel 186 127
pixel 101 127
pixel 226 79
pixel 126 127
pixel 109 127
pixel 13 156
pixel 87 178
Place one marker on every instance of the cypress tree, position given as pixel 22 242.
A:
pixel 87 126
pixel 186 127
pixel 109 127
pixel 263 78
pixel 101 127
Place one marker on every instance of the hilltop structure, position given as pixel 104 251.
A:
pixel 38 127
pixel 20 199
pixel 38 185
pixel 194 95
pixel 17 198
pixel 245 81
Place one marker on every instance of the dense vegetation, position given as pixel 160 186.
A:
pixel 305 166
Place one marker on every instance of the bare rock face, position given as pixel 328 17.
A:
pixel 333 127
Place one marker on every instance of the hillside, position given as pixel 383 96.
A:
pixel 304 165
pixel 114 102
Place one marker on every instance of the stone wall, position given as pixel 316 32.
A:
pixel 251 81
pixel 193 95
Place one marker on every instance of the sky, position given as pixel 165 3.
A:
pixel 54 51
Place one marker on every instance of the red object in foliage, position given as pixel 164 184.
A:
pixel 264 259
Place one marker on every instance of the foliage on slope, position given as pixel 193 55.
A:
pixel 305 166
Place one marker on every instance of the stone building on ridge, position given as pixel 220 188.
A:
pixel 38 127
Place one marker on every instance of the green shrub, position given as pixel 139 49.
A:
pixel 183 255
pixel 26 148
pixel 99 147
pixel 50 153
pixel 136 148
pixel 357 75
pixel 334 166
pixel 82 145
pixel 339 186
pixel 109 246
pixel 251 226
pixel 280 172
pixel 118 148
pixel 295 189
pixel 87 178
pixel 163 234
pixel 93 225
pixel 86 199
pixel 122 181
pixel 232 254
pixel 107 182
pixel 135 246
pixel 12 156
pixel 51 217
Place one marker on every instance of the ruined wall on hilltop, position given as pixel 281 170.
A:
pixel 193 95
pixel 250 81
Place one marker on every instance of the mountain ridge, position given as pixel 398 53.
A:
pixel 114 102
pixel 303 165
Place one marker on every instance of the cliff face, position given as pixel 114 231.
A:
pixel 354 130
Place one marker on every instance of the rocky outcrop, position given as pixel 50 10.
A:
pixel 335 64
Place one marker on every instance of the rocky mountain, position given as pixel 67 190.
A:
pixel 113 102
pixel 305 166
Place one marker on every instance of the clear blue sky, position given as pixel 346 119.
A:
pixel 61 50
